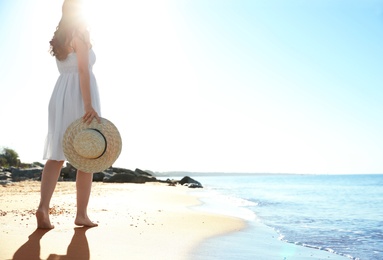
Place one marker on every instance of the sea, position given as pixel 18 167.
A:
pixel 342 214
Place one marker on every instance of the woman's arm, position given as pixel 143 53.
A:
pixel 81 47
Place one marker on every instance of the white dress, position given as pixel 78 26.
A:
pixel 66 104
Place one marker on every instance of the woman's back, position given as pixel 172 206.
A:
pixel 70 64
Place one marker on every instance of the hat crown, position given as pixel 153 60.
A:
pixel 92 147
pixel 89 143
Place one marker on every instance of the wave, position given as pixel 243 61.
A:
pixel 219 203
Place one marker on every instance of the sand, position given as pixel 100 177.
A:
pixel 136 221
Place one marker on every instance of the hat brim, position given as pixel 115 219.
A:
pixel 112 151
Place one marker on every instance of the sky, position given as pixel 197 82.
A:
pixel 244 86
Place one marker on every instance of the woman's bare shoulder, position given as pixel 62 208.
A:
pixel 82 33
pixel 81 36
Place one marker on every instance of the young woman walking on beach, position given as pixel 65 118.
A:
pixel 75 95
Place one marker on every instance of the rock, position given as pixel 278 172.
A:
pixel 98 176
pixel 193 185
pixel 145 175
pixel 170 182
pixel 5 175
pixel 26 174
pixel 190 182
pixel 5 182
pixel 122 170
pixel 124 177
pixel 68 173
pixel 107 174
pixel 149 178
pixel 141 172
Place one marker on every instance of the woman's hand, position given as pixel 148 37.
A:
pixel 89 115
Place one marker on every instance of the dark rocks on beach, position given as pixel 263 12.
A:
pixel 98 176
pixel 141 172
pixel 26 174
pixel 124 175
pixel 190 182
pixel 68 172
pixel 14 174
pixel 111 175
pixel 5 176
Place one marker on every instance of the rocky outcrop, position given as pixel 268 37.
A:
pixel 14 174
pixel 190 182
pixel 18 174
pixel 68 173
pixel 111 175
pixel 124 175
pixel 5 176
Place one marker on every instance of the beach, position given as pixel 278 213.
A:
pixel 136 221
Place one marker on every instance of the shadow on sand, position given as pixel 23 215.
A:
pixel 77 249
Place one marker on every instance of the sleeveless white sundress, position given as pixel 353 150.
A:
pixel 66 104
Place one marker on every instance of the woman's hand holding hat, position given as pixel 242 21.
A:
pixel 89 115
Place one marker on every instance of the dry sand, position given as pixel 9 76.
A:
pixel 136 221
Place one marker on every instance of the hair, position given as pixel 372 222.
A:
pixel 71 24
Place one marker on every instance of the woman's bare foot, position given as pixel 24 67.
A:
pixel 43 220
pixel 84 221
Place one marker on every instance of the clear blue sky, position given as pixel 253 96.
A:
pixel 212 85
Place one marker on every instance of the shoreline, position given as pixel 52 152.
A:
pixel 257 241
pixel 254 241
pixel 137 221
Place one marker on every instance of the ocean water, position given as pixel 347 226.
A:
pixel 342 214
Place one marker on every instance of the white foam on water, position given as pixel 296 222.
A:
pixel 218 203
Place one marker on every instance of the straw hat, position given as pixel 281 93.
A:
pixel 94 147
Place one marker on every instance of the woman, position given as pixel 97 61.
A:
pixel 75 95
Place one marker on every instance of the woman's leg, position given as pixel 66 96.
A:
pixel 83 186
pixel 49 179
